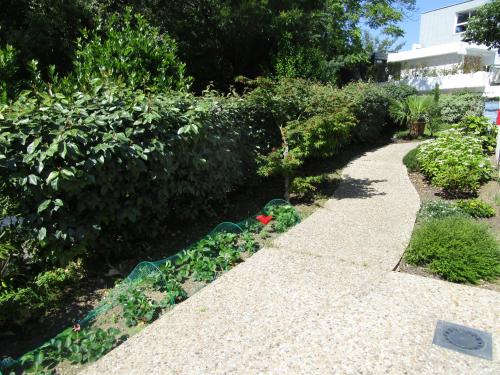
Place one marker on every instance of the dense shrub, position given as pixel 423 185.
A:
pixel 476 208
pixel 481 128
pixel 455 106
pixel 369 103
pixel 410 160
pixel 456 248
pixel 130 49
pixel 116 162
pixel 439 210
pixel 455 162
pixel 38 295
pixel 8 69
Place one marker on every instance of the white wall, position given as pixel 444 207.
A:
pixel 438 26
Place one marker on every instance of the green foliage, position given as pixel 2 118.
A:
pixel 305 186
pixel 37 296
pixel 481 128
pixel 284 217
pixel 128 48
pixel 410 160
pixel 211 255
pixel 483 26
pixel 137 307
pixel 434 112
pixel 369 104
pixel 74 345
pixel 439 210
pixel 94 165
pixel 169 284
pixel 456 248
pixel 457 105
pixel 455 162
pixel 8 70
pixel 412 109
pixel 476 208
pixel 220 39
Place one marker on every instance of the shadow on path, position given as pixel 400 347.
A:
pixel 355 188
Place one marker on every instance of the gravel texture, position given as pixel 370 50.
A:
pixel 323 300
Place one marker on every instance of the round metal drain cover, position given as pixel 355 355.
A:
pixel 463 339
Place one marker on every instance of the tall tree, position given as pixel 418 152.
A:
pixel 484 26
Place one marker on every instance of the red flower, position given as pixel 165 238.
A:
pixel 264 219
pixel 76 327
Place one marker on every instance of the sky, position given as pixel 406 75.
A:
pixel 411 24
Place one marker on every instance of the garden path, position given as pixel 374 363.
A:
pixel 323 299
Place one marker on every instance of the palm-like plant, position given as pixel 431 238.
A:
pixel 413 111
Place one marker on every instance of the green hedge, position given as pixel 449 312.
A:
pixel 455 106
pixel 94 172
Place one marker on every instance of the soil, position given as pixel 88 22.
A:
pixel 489 192
pixel 102 276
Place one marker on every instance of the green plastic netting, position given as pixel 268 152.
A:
pixel 150 272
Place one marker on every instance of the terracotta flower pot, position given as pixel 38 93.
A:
pixel 417 129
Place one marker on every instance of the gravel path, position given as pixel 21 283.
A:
pixel 323 299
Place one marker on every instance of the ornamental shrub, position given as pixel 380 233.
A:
pixel 455 106
pixel 476 208
pixel 456 248
pixel 455 162
pixel 90 167
pixel 128 48
pixel 369 103
pixel 481 128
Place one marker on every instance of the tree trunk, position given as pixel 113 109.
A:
pixel 285 155
pixel 417 129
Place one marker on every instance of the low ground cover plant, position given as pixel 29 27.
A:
pixel 476 208
pixel 439 209
pixel 457 248
pixel 455 162
pixel 75 345
pixel 410 160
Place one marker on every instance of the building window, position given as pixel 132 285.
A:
pixel 463 20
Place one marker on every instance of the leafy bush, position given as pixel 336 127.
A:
pixel 284 217
pixel 454 162
pixel 130 49
pixel 457 249
pixel 137 307
pixel 8 69
pixel 75 345
pixel 213 254
pixel 481 128
pixel 455 106
pixel 90 167
pixel 38 295
pixel 476 208
pixel 410 160
pixel 304 186
pixel 369 103
pixel 439 210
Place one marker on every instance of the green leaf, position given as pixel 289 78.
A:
pixel 42 233
pixel 43 206
pixel 52 176
pixel 32 179
pixel 32 146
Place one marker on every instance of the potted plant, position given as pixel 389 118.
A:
pixel 413 111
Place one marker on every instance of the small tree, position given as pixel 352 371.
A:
pixel 128 48
pixel 484 26
pixel 434 120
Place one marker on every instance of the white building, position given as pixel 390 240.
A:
pixel 441 57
